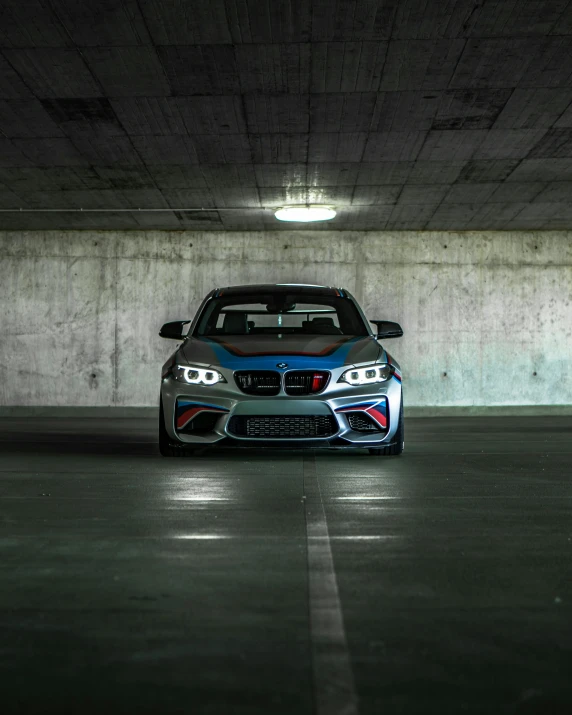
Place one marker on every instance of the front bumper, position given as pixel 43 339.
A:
pixel 225 401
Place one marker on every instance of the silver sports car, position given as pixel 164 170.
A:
pixel 287 366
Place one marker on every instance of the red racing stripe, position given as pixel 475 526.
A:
pixel 187 416
pixel 378 416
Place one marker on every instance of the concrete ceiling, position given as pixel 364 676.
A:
pixel 404 114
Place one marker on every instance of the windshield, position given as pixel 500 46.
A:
pixel 280 314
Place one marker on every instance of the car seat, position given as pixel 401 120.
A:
pixel 323 326
pixel 235 324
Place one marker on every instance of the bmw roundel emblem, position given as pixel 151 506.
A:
pixel 282 365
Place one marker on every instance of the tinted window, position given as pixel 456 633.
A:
pixel 282 313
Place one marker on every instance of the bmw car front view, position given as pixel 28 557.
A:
pixel 282 366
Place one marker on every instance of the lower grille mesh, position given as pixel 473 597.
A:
pixel 361 422
pixel 283 426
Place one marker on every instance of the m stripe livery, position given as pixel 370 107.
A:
pixel 187 411
pixel 376 410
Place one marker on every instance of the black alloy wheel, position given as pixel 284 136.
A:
pixel 396 448
pixel 167 447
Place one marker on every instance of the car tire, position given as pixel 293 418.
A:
pixel 167 448
pixel 396 448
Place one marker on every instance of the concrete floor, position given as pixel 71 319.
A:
pixel 438 582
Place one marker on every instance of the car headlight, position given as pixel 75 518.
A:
pixel 196 375
pixel 366 375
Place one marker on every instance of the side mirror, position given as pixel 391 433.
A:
pixel 386 329
pixel 174 330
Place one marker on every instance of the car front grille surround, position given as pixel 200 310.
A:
pixel 305 382
pixel 258 382
pixel 283 426
pixel 270 382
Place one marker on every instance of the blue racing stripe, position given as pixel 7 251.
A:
pixel 269 362
pixel 193 403
pixel 358 404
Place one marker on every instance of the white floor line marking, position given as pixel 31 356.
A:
pixel 334 691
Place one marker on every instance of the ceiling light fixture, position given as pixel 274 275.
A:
pixel 305 214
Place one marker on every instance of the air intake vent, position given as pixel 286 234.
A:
pixel 203 423
pixel 259 382
pixel 360 422
pixel 283 426
pixel 305 382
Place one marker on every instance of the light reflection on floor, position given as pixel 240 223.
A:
pixel 202 536
pixel 199 489
pixel 364 538
pixel 363 498
pixel 199 499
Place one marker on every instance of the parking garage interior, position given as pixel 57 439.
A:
pixel 145 148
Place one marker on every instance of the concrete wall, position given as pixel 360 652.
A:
pixel 487 316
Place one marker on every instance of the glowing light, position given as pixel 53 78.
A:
pixel 197 375
pixel 305 214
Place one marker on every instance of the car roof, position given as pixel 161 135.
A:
pixel 280 288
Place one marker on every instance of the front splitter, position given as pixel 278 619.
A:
pixel 336 443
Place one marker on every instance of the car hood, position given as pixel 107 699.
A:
pixel 264 352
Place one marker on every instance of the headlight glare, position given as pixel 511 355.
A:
pixel 197 375
pixel 367 375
